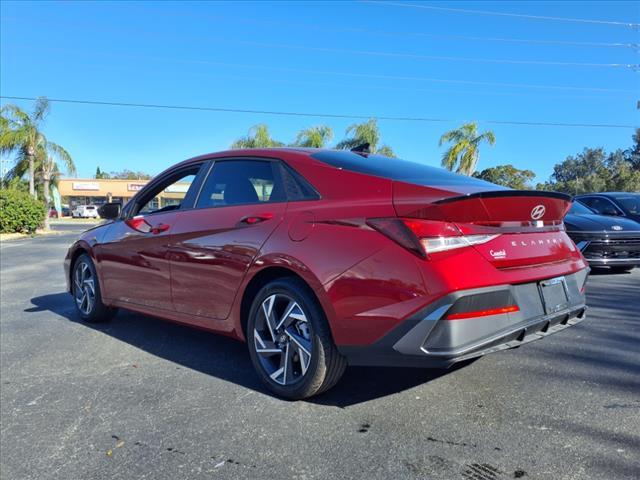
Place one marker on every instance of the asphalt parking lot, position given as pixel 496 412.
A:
pixel 140 398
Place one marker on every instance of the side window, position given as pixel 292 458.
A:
pixel 241 182
pixel 169 194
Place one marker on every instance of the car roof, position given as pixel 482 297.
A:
pixel 605 194
pixel 252 152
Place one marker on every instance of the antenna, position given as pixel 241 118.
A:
pixel 362 148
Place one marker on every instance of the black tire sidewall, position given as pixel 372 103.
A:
pixel 315 375
pixel 100 312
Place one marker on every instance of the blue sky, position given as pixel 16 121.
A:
pixel 291 56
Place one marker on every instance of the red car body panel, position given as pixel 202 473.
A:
pixel 198 270
pixel 210 256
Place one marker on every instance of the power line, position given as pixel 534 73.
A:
pixel 417 56
pixel 504 14
pixel 316 115
pixel 359 86
pixel 387 33
pixel 349 74
pixel 434 57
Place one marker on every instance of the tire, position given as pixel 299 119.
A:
pixel 621 269
pixel 85 288
pixel 299 359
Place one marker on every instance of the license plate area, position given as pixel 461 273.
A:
pixel 553 293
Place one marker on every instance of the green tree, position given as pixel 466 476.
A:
pixel 258 137
pixel 585 172
pixel 633 154
pixel 100 174
pixel 594 170
pixel 464 154
pixel 623 175
pixel 50 172
pixel 21 134
pixel 366 132
pixel 314 137
pixel 508 176
pixel 46 157
pixel 127 174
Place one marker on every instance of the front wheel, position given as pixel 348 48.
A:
pixel 290 341
pixel 87 296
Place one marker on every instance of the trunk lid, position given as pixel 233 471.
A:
pixel 529 223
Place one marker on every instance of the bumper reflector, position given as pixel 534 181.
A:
pixel 482 313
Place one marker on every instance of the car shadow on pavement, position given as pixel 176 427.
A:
pixel 228 359
pixel 598 271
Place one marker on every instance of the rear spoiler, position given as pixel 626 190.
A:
pixel 492 207
pixel 508 193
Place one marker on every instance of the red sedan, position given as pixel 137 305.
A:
pixel 320 259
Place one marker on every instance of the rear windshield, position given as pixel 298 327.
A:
pixel 397 169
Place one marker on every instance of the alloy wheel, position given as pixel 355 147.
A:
pixel 282 339
pixel 84 288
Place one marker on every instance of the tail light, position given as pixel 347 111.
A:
pixel 424 237
pixel 483 313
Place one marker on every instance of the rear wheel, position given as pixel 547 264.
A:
pixel 86 292
pixel 290 342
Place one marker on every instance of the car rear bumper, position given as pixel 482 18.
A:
pixel 429 339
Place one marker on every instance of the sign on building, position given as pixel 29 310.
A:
pixel 85 186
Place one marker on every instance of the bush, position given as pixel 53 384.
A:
pixel 20 212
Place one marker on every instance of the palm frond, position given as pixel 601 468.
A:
pixel 258 137
pixel 62 155
pixel 387 151
pixel 314 137
pixel 40 109
pixel 465 149
pixel 468 160
pixel 15 114
pixel 366 132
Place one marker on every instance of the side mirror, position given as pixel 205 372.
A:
pixel 110 211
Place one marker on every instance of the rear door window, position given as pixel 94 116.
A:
pixel 241 182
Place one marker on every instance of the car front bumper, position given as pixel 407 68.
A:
pixel 429 339
pixel 609 250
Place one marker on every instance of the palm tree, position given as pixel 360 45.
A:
pixel 366 132
pixel 465 151
pixel 50 172
pixel 314 137
pixel 258 137
pixel 21 132
pixel 46 168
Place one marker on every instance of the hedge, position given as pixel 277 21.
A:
pixel 20 212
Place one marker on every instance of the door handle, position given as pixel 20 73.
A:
pixel 161 227
pixel 253 219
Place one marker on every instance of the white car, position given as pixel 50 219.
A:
pixel 85 211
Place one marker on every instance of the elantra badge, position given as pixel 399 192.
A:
pixel 617 228
pixel 538 212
